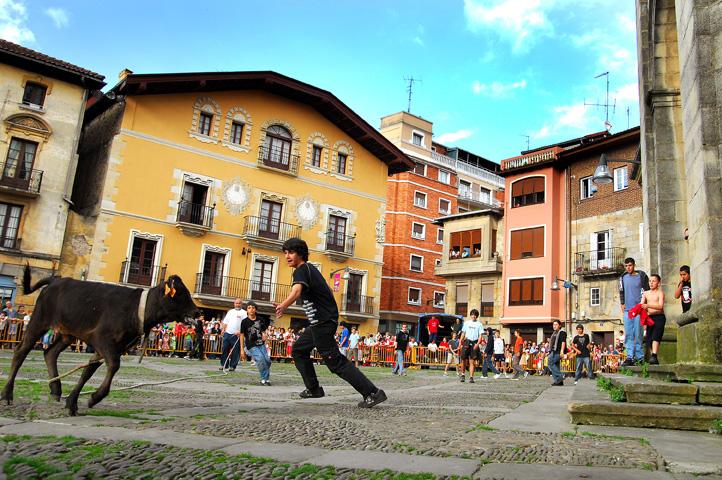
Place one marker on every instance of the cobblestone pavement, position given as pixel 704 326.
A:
pixel 427 416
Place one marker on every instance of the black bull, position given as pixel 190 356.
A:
pixel 102 315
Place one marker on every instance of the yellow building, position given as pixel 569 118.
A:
pixel 205 175
pixel 42 112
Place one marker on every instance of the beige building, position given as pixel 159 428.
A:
pixel 42 113
pixel 471 263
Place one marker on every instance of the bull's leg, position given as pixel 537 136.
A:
pixel 112 364
pixel 60 343
pixel 36 328
pixel 71 403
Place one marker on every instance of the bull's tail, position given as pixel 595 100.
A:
pixel 27 289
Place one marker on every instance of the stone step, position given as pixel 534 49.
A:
pixel 590 406
pixel 650 390
pixel 683 372
pixel 709 393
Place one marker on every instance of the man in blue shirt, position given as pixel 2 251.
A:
pixel 631 285
pixel 343 339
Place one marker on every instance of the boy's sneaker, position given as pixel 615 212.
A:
pixel 576 381
pixel 318 393
pixel 373 399
pixel 628 362
pixel 471 379
pixel 266 383
pixel 462 379
pixel 526 374
pixel 497 376
pixel 653 360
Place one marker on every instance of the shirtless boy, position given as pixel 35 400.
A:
pixel 653 303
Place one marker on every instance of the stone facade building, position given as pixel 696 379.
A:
pixel 42 113
pixel 680 74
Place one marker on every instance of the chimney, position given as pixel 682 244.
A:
pixel 124 73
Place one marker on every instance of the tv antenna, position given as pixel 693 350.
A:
pixel 527 140
pixel 410 89
pixel 606 104
pixel 627 118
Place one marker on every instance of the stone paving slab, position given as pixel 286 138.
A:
pixel 397 462
pixel 547 414
pixel 284 452
pixel 518 471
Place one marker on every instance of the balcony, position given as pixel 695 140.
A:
pixel 194 219
pixel 217 290
pixel 139 274
pixel 360 305
pixel 479 198
pixel 607 261
pixel 474 171
pixel 10 243
pixel 278 159
pixel 24 183
pixel 267 232
pixel 339 247
pixel 458 264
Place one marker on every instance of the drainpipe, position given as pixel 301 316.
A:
pixel 568 209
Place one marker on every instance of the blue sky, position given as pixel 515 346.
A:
pixel 492 71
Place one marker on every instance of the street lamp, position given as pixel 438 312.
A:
pixel 345 275
pixel 603 175
pixel 565 283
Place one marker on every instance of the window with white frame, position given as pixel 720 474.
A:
pixel 437 262
pixel 417 139
pixel 420 199
pixel 414 296
pixel 439 299
pixel 585 188
pixel 445 177
pixel 595 296
pixel 416 263
pixel 621 178
pixel 440 236
pixel 418 230
pixel 444 206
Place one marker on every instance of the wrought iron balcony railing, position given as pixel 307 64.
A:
pixel 11 243
pixel 280 159
pixel 234 287
pixel 270 228
pixel 359 304
pixel 19 178
pixel 141 274
pixel 195 214
pixel 339 243
pixel 602 261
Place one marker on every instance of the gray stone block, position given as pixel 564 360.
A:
pixel 709 393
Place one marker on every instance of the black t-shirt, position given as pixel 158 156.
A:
pixel 686 296
pixel 489 349
pixel 402 341
pixel 581 342
pixel 318 301
pixel 252 331
pixel 556 340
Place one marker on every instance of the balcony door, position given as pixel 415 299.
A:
pixel 19 164
pixel 278 147
pixel 261 283
pixel 192 206
pixel 353 292
pixel 336 236
pixel 212 282
pixel 142 258
pixel 601 250
pixel 269 224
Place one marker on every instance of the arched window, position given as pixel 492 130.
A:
pixel 528 191
pixel 277 147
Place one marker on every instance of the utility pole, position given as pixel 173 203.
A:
pixel 410 89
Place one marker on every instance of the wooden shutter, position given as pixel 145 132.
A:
pixel 514 291
pixel 493 241
pixel 455 241
pixel 516 188
pixel 526 291
pixel 538 184
pixel 538 242
pixel 537 290
pixel 516 244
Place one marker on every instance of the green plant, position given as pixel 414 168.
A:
pixel 616 392
pixel 626 371
pixel 716 427
pixel 645 369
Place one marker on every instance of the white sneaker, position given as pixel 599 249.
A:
pixel 575 382
pixel 446 374
pixel 497 376
pixel 526 374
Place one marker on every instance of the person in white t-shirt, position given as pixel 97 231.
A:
pixel 354 346
pixel 231 334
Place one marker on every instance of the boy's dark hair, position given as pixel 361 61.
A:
pixel 684 268
pixel 474 312
pixel 251 303
pixel 298 246
pixel 659 279
pixel 629 260
pixel 579 325
pixel 557 321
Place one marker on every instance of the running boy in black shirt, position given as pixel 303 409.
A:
pixel 580 345
pixel 322 314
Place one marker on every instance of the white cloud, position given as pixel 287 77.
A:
pixel 629 93
pixel 418 39
pixel 58 16
pixel 543 132
pixel 13 18
pixel 570 121
pixel 496 89
pixel 453 137
pixel 519 21
pixel 628 24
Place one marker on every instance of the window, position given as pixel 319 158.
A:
pixel 529 191
pixel 420 199
pixel 439 299
pixel 19 163
pixel 418 230
pixel 462 300
pixel 527 243
pixel 212 278
pixel 261 282
pixel 420 169
pixel 417 139
pixel 586 188
pixel 414 296
pixel 34 94
pixel 493 242
pixel 444 206
pixel 277 147
pixel 526 291
pixel 9 224
pixel 336 236
pixel 237 133
pixel 465 244
pixel 464 189
pixel 621 178
pixel 316 156
pixel 192 206
pixel 204 123
pixel 440 235
pixel 142 258
pixel 594 297
pixel 269 223
pixel 445 177
pixel 416 263
pixel 437 262
pixel 341 164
